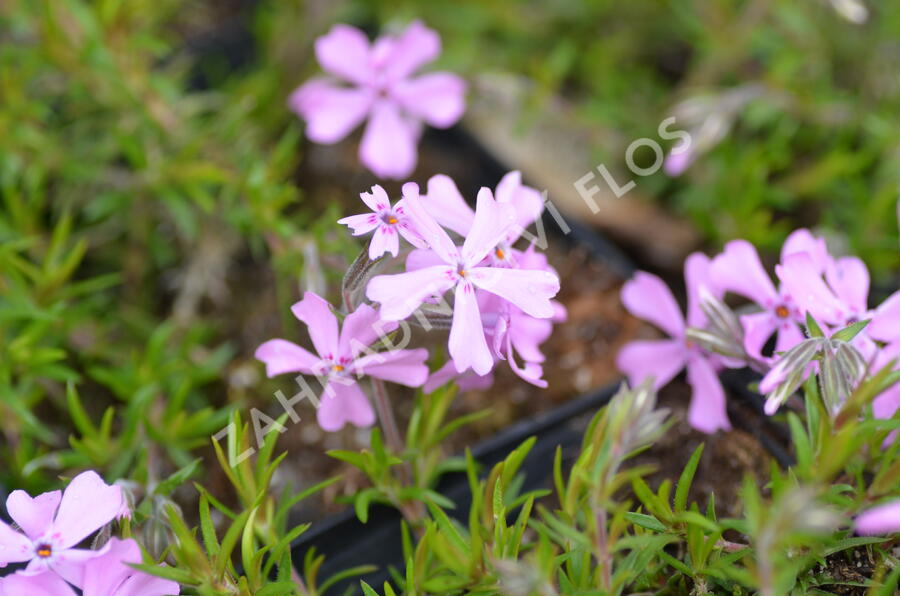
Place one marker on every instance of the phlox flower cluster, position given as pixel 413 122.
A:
pixel 497 296
pixel 48 535
pixel 834 291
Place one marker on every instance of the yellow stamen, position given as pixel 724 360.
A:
pixel 392 220
pixel 462 272
pixel 44 552
pixel 499 252
pixel 782 312
pixel 337 368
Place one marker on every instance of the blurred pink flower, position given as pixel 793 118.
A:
pixel 340 357
pixel 676 163
pixel 53 523
pixel 883 519
pixel 381 88
pixel 107 574
pixel 835 291
pixel 446 266
pixel 388 222
pixel 646 296
pixel 739 270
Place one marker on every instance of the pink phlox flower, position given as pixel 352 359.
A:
pixel 448 207
pixel 54 523
pixel 517 335
pixel 676 163
pixel 879 520
pixel 341 358
pixel 389 223
pixel 836 294
pixel 379 87
pixel 646 296
pixel 107 574
pixel 739 270
pixel 461 269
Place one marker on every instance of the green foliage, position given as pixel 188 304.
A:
pixel 127 193
pixel 606 531
pixel 250 554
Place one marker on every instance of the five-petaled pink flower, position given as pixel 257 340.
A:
pixel 739 270
pixel 389 223
pixel 463 269
pixel 107 574
pixel 54 523
pixel 381 88
pixel 646 296
pixel 342 358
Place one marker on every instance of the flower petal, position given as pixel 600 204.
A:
pixel 87 504
pixel 406 367
pixel 281 356
pixel 885 325
pixel 144 584
pixel 388 146
pixel 321 323
pixel 660 359
pixel 45 583
pixel 438 98
pixel 401 294
pixel 434 236
pixel 758 328
pixel 468 346
pixel 802 240
pixel 446 204
pixel 106 572
pixel 492 221
pixel 527 334
pixel 330 112
pixel 739 270
pixel 15 547
pixel 70 564
pixel 707 412
pixel 385 239
pixel 883 519
pixel 360 224
pixel 34 516
pixel 416 46
pixel 849 278
pixel 344 402
pixel 698 279
pixel 799 275
pixel 360 330
pixel 377 200
pixel 789 335
pixel 421 258
pixel 647 297
pixel 528 289
pixel 344 52
pixel 527 202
